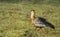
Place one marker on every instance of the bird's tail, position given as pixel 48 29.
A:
pixel 50 25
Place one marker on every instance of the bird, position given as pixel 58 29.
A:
pixel 40 22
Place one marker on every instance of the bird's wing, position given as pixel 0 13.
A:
pixel 46 23
pixel 42 22
pixel 38 22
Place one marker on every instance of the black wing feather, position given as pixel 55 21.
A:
pixel 46 22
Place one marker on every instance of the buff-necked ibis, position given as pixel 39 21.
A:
pixel 40 22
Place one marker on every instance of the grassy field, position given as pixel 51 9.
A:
pixel 15 19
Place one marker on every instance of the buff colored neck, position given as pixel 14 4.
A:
pixel 32 16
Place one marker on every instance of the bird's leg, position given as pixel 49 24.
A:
pixel 34 29
pixel 42 30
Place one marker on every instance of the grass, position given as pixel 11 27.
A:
pixel 15 19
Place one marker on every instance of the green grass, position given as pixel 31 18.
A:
pixel 15 19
